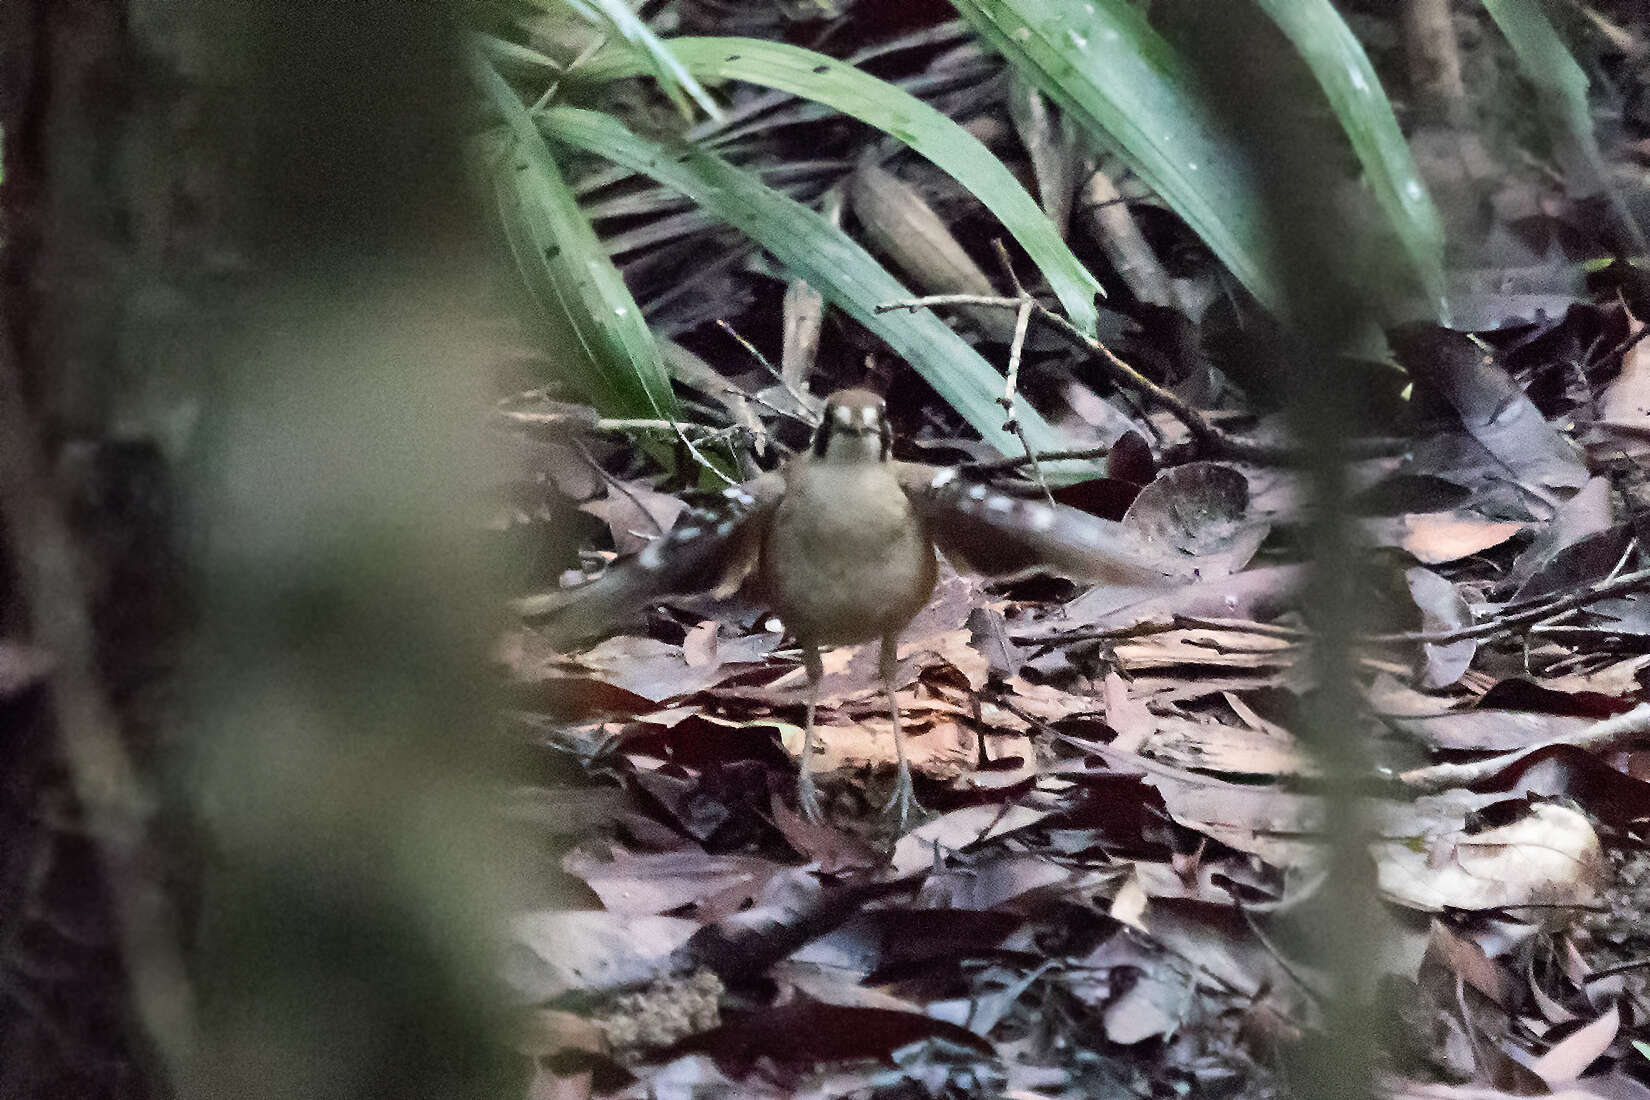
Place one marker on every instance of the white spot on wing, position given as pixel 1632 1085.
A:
pixel 652 557
pixel 1041 518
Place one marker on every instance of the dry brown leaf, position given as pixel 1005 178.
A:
pixel 935 745
pixel 1204 648
pixel 1548 861
pixel 1434 538
pixel 1623 425
pixel 1436 721
pixel 635 516
pixel 1467 961
pixel 657 882
pixel 1209 745
pixel 1153 1006
pixel 1129 906
pixel 552 952
pixel 699 647
pixel 1126 714
pixel 959 829
pixel 1442 608
pixel 1570 1058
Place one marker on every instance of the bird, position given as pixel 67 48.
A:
pixel 841 543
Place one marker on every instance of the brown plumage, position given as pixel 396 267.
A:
pixel 841 544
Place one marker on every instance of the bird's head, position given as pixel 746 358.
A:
pixel 855 428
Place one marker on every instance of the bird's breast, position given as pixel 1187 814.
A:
pixel 845 559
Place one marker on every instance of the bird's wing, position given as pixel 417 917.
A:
pixel 998 534
pixel 708 550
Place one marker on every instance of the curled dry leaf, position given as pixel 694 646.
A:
pixel 1442 608
pixel 1197 518
pixel 1586 513
pixel 1499 415
pixel 1549 862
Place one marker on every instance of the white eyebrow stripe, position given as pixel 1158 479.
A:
pixel 943 478
pixel 1041 518
pixel 844 415
pixel 1000 504
pixel 652 557
pixel 977 493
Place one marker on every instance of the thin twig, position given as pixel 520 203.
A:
pixel 106 781
pixel 623 489
pixel 1529 613
pixel 1506 623
pixel 1620 730
pixel 699 457
pixel 1208 437
pixel 587 419
pixel 1016 349
pixel 778 375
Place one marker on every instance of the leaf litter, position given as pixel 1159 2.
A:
pixel 1124 825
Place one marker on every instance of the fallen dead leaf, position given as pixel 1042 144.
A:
pixel 1442 609
pixel 635 516
pixel 1201 647
pixel 1571 1056
pixel 1210 745
pixel 552 952
pixel 656 882
pixel 1548 862
pixel 1434 538
pixel 956 830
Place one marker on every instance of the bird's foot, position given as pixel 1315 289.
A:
pixel 903 809
pixel 807 796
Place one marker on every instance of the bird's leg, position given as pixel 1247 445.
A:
pixel 807 798
pixel 903 805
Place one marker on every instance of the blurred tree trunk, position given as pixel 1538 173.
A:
pixel 238 272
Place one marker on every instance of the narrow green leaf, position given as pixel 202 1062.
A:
pixel 1342 69
pixel 660 61
pixel 598 332
pixel 513 57
pixel 1119 80
pixel 840 86
pixel 1562 88
pixel 829 260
